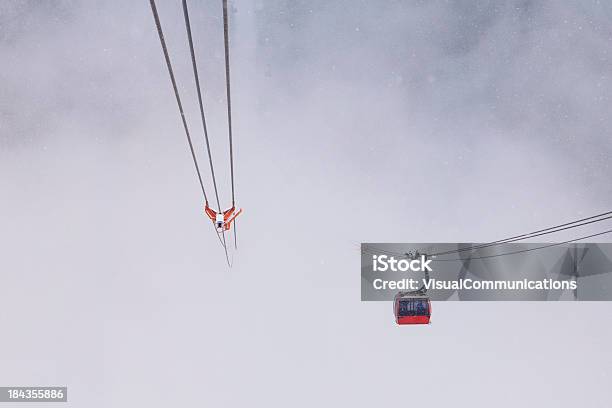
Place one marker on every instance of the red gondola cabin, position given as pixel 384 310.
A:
pixel 411 309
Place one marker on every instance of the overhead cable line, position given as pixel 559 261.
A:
pixel 229 106
pixel 197 81
pixel 557 228
pixel 524 250
pixel 224 245
pixel 228 91
pixel 376 252
pixel 545 231
pixel 176 93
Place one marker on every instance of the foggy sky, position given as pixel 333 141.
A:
pixel 398 121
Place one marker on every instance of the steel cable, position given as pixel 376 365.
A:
pixel 176 93
pixel 197 81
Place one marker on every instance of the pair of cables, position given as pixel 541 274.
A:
pixel 550 230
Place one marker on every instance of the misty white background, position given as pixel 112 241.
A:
pixel 355 121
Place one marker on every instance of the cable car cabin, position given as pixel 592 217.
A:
pixel 411 309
